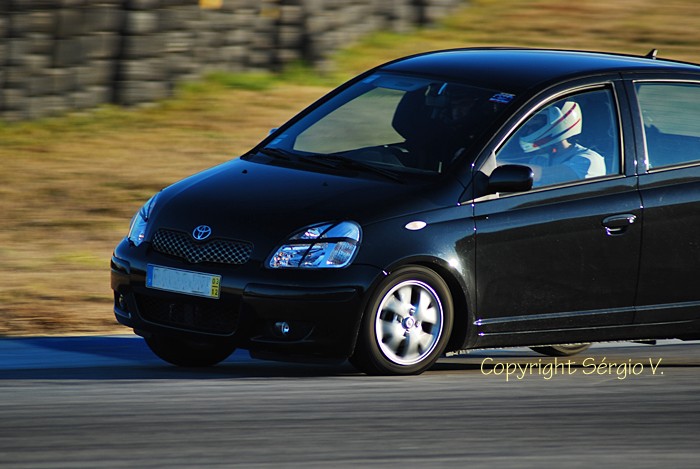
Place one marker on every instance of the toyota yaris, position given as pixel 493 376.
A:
pixel 446 201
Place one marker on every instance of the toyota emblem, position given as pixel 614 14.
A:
pixel 202 232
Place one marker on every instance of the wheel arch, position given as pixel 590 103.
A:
pixel 459 292
pixel 461 321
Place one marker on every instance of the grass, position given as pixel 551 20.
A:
pixel 69 185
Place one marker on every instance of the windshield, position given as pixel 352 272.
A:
pixel 394 123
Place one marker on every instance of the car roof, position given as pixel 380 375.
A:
pixel 515 70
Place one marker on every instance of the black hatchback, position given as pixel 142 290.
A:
pixel 446 201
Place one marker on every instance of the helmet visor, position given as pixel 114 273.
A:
pixel 536 123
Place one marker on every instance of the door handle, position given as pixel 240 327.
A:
pixel 618 224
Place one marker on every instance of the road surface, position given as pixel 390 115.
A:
pixel 108 402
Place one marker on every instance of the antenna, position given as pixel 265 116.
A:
pixel 652 54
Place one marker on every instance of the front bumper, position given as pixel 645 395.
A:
pixel 277 314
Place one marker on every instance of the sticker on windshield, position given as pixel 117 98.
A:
pixel 503 98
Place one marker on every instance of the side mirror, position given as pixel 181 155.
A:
pixel 511 178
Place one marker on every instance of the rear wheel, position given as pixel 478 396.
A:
pixel 188 354
pixel 406 325
pixel 564 350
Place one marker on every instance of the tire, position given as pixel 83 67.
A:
pixel 565 350
pixel 406 325
pixel 188 354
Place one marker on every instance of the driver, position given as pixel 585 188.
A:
pixel 555 159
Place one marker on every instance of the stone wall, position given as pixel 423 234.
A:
pixel 62 55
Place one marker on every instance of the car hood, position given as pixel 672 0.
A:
pixel 264 204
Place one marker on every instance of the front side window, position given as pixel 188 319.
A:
pixel 671 116
pixel 394 122
pixel 570 139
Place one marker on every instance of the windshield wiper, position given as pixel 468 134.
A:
pixel 346 162
pixel 278 153
pixel 291 156
pixel 329 160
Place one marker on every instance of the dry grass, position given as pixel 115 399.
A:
pixel 626 26
pixel 69 186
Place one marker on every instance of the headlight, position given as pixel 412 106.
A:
pixel 137 231
pixel 327 245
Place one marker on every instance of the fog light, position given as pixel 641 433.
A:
pixel 121 306
pixel 282 327
pixel 122 303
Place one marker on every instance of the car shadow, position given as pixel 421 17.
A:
pixel 128 357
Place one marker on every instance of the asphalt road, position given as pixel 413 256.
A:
pixel 107 402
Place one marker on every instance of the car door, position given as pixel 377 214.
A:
pixel 564 255
pixel 669 183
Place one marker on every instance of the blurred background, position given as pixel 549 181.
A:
pixel 104 102
pixel 74 54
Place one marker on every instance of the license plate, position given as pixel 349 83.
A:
pixel 183 281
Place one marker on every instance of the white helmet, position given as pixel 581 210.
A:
pixel 550 126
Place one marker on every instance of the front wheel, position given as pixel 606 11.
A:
pixel 188 354
pixel 406 325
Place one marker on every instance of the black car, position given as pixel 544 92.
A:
pixel 445 201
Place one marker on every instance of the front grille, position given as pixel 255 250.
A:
pixel 198 315
pixel 220 251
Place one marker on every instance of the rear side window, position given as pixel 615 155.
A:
pixel 671 116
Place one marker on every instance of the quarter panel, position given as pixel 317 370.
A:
pixel 668 285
